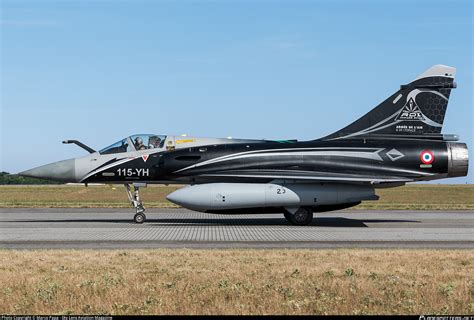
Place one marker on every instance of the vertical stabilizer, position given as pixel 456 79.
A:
pixel 417 108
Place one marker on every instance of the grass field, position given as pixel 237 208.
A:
pixel 417 196
pixel 181 281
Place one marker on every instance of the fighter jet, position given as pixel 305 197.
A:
pixel 397 142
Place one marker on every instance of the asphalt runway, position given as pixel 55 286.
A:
pixel 26 228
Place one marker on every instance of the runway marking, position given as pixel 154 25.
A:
pixel 96 228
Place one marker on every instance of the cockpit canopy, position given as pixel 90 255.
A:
pixel 136 142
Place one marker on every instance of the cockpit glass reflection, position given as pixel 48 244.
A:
pixel 147 141
pixel 136 142
pixel 118 147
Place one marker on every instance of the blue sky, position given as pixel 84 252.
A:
pixel 98 71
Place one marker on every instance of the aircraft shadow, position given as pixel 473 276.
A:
pixel 317 222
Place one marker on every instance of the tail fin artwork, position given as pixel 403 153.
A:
pixel 416 110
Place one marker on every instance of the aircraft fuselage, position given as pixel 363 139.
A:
pixel 365 161
pixel 397 142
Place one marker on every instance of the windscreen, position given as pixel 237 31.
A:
pixel 118 147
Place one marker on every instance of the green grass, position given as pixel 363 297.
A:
pixel 414 197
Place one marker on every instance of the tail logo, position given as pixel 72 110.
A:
pixel 410 112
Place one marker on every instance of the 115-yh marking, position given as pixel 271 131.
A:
pixel 140 172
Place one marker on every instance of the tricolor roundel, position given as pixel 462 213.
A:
pixel 427 156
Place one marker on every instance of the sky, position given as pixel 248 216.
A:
pixel 98 71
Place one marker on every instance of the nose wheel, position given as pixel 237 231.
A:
pixel 139 218
pixel 134 198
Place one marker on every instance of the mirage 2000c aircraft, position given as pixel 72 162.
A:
pixel 397 142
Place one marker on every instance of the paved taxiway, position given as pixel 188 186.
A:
pixel 113 228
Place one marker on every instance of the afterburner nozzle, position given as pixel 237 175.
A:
pixel 458 159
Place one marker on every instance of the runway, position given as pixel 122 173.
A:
pixel 113 228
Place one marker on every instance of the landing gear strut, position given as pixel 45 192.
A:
pixel 134 198
pixel 301 217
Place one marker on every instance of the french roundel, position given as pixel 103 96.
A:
pixel 427 156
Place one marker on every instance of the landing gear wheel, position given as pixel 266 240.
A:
pixel 302 217
pixel 139 217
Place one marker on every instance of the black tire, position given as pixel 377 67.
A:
pixel 302 217
pixel 139 218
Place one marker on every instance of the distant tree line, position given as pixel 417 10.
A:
pixel 7 178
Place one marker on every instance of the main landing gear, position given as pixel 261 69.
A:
pixel 300 217
pixel 134 198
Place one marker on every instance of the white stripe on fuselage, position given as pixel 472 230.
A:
pixel 320 178
pixel 352 152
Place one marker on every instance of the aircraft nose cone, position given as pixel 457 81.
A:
pixel 61 171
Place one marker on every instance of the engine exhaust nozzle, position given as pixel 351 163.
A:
pixel 458 159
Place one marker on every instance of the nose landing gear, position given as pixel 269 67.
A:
pixel 134 198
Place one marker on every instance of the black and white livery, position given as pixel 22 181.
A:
pixel 397 142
